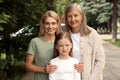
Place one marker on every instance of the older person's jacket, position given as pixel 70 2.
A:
pixel 93 56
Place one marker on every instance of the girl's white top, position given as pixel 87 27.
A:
pixel 65 69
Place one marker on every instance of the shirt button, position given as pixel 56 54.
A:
pixel 81 55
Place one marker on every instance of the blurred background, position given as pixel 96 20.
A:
pixel 19 22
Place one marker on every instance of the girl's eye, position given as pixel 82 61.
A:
pixel 60 45
pixel 46 23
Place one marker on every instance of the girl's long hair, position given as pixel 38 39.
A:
pixel 61 36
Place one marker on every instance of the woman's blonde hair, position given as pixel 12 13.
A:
pixel 44 17
pixel 61 36
pixel 84 29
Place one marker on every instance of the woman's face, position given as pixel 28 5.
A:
pixel 74 18
pixel 50 26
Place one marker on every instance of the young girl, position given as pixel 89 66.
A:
pixel 63 59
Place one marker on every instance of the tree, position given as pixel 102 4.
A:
pixel 14 15
pixel 4 18
pixel 98 13
pixel 114 18
pixel 114 21
pixel 60 5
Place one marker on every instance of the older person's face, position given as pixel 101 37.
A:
pixel 50 26
pixel 74 18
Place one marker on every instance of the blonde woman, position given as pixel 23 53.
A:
pixel 40 49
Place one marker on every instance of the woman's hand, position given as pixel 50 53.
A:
pixel 50 68
pixel 79 67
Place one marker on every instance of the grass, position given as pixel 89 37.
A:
pixel 117 43
pixel 118 29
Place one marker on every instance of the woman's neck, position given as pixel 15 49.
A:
pixel 49 38
pixel 75 30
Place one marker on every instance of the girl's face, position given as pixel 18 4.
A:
pixel 50 26
pixel 74 18
pixel 64 47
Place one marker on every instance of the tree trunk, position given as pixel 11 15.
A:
pixel 114 21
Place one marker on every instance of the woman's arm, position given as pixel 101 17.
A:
pixel 98 58
pixel 50 68
pixel 79 67
pixel 29 66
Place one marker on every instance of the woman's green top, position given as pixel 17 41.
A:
pixel 43 52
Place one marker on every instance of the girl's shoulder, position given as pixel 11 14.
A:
pixel 74 60
pixel 54 59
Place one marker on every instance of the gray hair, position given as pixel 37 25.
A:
pixel 84 29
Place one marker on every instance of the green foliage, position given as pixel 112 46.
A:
pixel 15 14
pixel 1 1
pixel 10 67
pixel 16 51
pixel 105 13
pixel 2 67
pixel 117 43
pixel 4 18
pixel 60 5
pixel 100 12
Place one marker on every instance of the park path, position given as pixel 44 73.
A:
pixel 112 67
